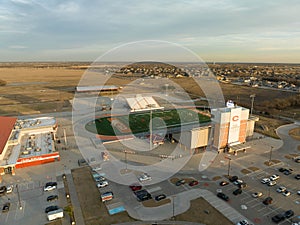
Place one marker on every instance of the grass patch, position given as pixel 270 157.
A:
pixel 252 168
pixel 202 212
pixel 245 171
pixel 295 133
pixel 216 178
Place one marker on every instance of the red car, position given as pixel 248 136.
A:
pixel 193 183
pixel 135 187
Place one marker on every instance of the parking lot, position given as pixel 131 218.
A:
pixel 255 209
pixel 32 198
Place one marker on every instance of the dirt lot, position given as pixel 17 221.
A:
pixel 95 212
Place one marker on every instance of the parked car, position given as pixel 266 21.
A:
pixel 160 197
pixel 265 180
pixel 233 178
pixel 243 222
pixel 9 189
pixel 51 208
pixel 223 196
pixel 268 201
pixel 282 169
pixel 6 207
pixel 50 186
pixel 237 182
pixel 237 191
pixel 144 177
pixel 281 189
pixel 142 198
pixel 242 185
pixel 297 160
pixel 297 176
pixel 274 177
pixel 102 184
pixel 272 183
pixel 99 178
pixel 109 195
pixel 278 218
pixel 142 195
pixel 286 193
pixel 2 190
pixel 193 183
pixel 288 214
pixel 257 194
pixel 52 198
pixel 298 192
pixel 223 183
pixel 287 172
pixel 134 187
pixel 180 182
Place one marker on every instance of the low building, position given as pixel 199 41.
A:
pixel 26 143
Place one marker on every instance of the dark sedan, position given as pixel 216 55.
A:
pixel 223 196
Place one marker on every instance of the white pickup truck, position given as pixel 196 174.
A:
pixel 55 214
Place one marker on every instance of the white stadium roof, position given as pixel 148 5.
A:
pixel 140 103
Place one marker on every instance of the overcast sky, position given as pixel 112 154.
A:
pixel 216 30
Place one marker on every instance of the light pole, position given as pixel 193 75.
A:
pixel 270 155
pixel 228 170
pixel 173 207
pixel 150 124
pixel 20 206
pixel 125 152
pixel 252 102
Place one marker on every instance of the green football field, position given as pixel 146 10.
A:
pixel 139 122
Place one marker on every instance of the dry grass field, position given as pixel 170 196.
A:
pixel 33 89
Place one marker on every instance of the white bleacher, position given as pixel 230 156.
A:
pixel 140 103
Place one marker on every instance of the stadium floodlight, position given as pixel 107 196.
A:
pixel 150 124
pixel 252 102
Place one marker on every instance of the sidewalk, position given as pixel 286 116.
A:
pixel 74 199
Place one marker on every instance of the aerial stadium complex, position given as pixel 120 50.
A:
pixel 225 129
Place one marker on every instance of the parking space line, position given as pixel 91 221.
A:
pixel 262 209
pixel 268 213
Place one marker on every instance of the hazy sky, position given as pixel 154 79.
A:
pixel 217 30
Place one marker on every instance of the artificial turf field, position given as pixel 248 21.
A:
pixel 135 123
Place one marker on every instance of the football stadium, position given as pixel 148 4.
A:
pixel 222 128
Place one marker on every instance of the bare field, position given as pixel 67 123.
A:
pixel 32 90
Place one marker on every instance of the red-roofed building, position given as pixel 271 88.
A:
pixel 6 127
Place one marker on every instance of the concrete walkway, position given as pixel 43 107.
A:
pixel 74 199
